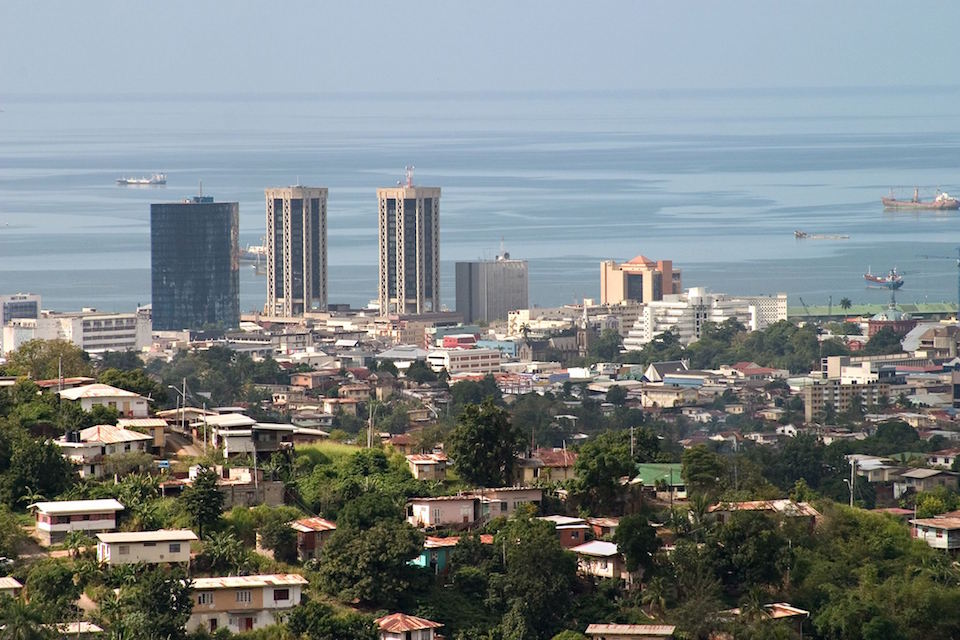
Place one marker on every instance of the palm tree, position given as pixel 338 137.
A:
pixel 22 621
pixel 225 553
pixel 845 303
pixel 77 540
pixel 30 496
pixel 655 595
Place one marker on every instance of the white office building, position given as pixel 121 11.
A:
pixel 91 330
pixel 685 315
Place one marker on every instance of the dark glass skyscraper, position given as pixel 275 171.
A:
pixel 195 264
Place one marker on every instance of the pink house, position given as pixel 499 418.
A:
pixel 445 511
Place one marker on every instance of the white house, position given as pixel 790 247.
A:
pixel 243 603
pixel 129 404
pixel 54 520
pixel 88 447
pixel 601 559
pixel 150 547
pixel 939 533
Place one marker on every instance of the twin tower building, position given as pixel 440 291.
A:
pixel 195 255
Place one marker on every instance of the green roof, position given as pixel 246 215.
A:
pixel 650 472
pixel 924 308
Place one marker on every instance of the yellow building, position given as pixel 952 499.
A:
pixel 640 280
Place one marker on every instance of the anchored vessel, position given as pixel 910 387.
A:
pixel 941 202
pixel 892 280
pixel 157 178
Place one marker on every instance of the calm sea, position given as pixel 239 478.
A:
pixel 715 180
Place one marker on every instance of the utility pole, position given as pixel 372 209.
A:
pixel 853 478
pixel 631 442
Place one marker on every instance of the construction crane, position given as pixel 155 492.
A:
pixel 955 258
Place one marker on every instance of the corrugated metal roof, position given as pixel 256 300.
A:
pixel 240 582
pixel 160 535
pixel 63 507
pixel 938 523
pixel 599 548
pixel 400 622
pixel 109 434
pixel 143 423
pixel 97 391
pixel 6 582
pixel 313 524
pixel 638 630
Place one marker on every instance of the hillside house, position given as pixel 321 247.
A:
pixel 164 546
pixel 243 603
pixel 312 534
pixel 55 520
pixel 127 403
pixel 630 631
pixel 400 626
pixel 428 466
pixel 89 447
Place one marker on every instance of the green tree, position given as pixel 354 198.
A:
pixel 702 469
pixel 32 464
pixel 22 621
pixel 50 586
pixel 318 621
pixel 845 303
pixel 11 534
pixel 885 341
pixel 156 606
pixel 280 538
pixel 637 541
pixel 539 579
pixel 370 565
pixel 484 445
pixel 617 395
pixel 224 554
pixel 420 372
pixel 471 392
pixel 45 359
pixel 607 346
pixel 202 500
pixel 600 465
pixel 135 380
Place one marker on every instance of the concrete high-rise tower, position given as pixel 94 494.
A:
pixel 409 224
pixel 296 250
pixel 195 264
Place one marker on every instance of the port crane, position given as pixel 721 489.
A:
pixel 956 259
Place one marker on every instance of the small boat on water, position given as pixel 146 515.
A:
pixel 155 179
pixel 803 235
pixel 943 201
pixel 893 280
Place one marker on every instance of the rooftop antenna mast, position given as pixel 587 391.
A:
pixel 408 173
pixel 201 188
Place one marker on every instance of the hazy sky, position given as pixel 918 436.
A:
pixel 357 45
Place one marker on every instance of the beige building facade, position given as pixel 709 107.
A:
pixel 409 241
pixel 638 280
pixel 296 244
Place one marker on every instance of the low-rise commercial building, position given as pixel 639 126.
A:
pixel 464 360
pixel 243 603
pixel 91 330
pixel 54 520
pixel 163 546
